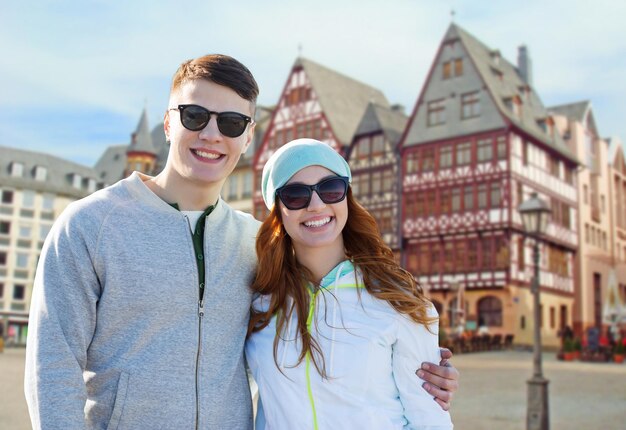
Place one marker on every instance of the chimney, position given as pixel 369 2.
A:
pixel 524 65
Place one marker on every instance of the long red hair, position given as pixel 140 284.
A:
pixel 280 276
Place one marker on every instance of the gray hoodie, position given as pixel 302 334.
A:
pixel 116 339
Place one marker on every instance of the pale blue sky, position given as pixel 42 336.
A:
pixel 75 75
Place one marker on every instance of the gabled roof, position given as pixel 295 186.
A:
pixel 503 82
pixel 141 139
pixel 391 122
pixel 58 178
pixel 343 99
pixel 577 111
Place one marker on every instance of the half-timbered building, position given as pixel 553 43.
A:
pixel 478 143
pixel 374 161
pixel 319 103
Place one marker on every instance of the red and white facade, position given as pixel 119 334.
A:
pixel 471 154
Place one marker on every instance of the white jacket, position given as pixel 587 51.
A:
pixel 371 354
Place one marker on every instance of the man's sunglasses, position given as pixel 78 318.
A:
pixel 298 196
pixel 195 118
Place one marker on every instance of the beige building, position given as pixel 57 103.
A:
pixel 35 188
pixel 617 202
pixel 601 189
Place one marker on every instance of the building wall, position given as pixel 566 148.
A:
pixel 30 216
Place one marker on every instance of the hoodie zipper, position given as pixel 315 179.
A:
pixel 200 315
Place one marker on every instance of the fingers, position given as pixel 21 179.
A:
pixel 446 378
pixel 446 354
pixel 442 397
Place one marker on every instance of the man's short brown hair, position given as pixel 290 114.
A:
pixel 222 70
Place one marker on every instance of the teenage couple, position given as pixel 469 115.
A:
pixel 148 291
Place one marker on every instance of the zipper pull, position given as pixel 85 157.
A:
pixel 201 308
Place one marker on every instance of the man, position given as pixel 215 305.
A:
pixel 141 298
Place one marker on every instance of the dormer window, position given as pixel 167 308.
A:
pixel 514 104
pixel 17 169
pixel 495 57
pixel 75 180
pixel 40 173
pixel 90 184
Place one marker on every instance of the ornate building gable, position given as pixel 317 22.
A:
pixel 316 102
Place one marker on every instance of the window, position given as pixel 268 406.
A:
pixel 44 229
pixel 434 258
pixel 586 194
pixel 456 199
pixel 445 157
pixel 463 153
pixel 363 148
pixel 48 202
pixel 17 169
pixel 378 145
pixel 7 196
pixel 1 291
pixel 468 198
pixel 22 260
pixel 28 198
pixel 18 292
pixel 521 261
pixel 472 254
pixel 525 153
pixel 376 182
pixel 25 231
pixel 482 196
pixel 460 253
pixel 436 112
pixel 412 162
pixel 388 180
pixel 3 258
pixel 40 173
pixel 496 195
pixel 445 197
pixel 502 253
pixel 447 70
pixel 5 227
pixel 470 105
pixel 485 150
pixel 428 160
pixel 501 148
pixel 458 67
pixel 552 317
pixel 490 311
pixel 247 184
pixel 233 184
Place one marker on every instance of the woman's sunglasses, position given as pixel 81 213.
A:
pixel 298 196
pixel 195 118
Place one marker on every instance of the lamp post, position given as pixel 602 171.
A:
pixel 535 213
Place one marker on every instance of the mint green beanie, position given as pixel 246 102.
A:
pixel 294 156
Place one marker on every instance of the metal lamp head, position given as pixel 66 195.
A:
pixel 535 214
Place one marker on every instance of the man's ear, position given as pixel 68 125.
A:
pixel 166 125
pixel 249 138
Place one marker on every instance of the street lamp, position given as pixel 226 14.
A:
pixel 535 213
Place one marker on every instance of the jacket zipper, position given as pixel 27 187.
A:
pixel 200 315
pixel 309 321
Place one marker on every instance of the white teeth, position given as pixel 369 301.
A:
pixel 317 223
pixel 210 155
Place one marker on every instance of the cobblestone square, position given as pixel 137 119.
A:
pixel 583 396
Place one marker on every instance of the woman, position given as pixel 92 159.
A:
pixel 338 326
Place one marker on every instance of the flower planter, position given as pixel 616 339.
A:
pixel 618 358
